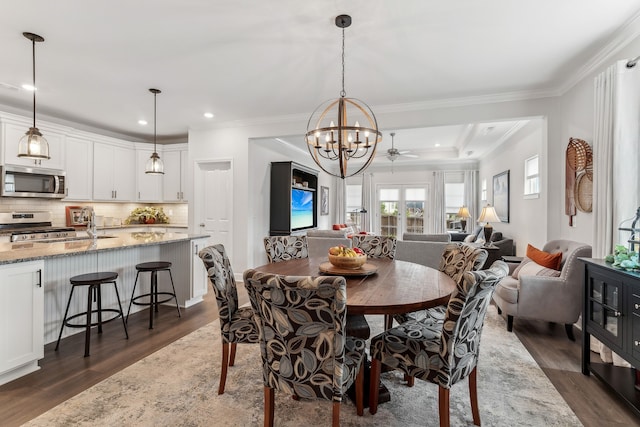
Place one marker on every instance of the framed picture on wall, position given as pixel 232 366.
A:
pixel 324 200
pixel 501 195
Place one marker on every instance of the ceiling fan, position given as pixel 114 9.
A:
pixel 393 153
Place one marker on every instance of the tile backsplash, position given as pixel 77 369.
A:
pixel 177 212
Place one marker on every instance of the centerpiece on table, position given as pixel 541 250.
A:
pixel 350 258
pixel 147 215
pixel 623 258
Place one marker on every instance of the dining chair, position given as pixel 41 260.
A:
pixel 284 248
pixel 457 258
pixel 376 246
pixel 305 352
pixel 441 352
pixel 237 324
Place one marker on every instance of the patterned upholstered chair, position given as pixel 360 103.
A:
pixel 284 248
pixel 457 259
pixel 237 324
pixel 441 352
pixel 376 246
pixel 304 349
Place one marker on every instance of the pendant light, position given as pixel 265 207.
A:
pixel 33 145
pixel 154 164
pixel 343 130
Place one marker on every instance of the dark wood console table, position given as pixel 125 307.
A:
pixel 611 313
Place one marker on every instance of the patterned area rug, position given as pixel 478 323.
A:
pixel 178 386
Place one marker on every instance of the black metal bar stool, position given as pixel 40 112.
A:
pixel 94 281
pixel 153 268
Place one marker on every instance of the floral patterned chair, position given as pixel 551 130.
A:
pixel 305 352
pixel 457 259
pixel 237 324
pixel 441 352
pixel 376 246
pixel 284 248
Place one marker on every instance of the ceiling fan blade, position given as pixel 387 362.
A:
pixel 413 156
pixel 404 152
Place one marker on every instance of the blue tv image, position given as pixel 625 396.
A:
pixel 301 209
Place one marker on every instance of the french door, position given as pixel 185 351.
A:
pixel 402 209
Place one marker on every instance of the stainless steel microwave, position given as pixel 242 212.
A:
pixel 22 181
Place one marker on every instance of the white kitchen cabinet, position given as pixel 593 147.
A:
pixel 199 279
pixel 13 132
pixel 22 319
pixel 79 161
pixel 113 173
pixel 149 185
pixel 175 176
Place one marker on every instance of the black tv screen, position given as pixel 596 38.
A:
pixel 302 212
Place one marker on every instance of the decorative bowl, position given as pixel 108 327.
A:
pixel 347 261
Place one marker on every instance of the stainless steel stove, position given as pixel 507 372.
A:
pixel 32 226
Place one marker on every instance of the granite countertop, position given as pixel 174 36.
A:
pixel 28 251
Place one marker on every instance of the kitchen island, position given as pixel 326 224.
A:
pixel 34 285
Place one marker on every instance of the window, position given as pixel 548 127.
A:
pixel 354 203
pixel 531 178
pixel 453 198
pixel 483 192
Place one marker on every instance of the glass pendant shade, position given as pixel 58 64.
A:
pixel 154 165
pixel 33 145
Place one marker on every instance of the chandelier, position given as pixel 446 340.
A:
pixel 33 145
pixel 343 130
pixel 154 164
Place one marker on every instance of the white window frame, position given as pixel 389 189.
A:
pixel 483 192
pixel 529 179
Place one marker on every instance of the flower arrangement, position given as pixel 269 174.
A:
pixel 623 258
pixel 147 215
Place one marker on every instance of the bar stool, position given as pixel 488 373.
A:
pixel 153 268
pixel 94 281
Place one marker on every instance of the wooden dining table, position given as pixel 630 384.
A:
pixel 396 287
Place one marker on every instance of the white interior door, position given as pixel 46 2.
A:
pixel 213 184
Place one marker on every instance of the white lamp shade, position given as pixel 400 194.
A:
pixel 488 215
pixel 33 145
pixel 464 212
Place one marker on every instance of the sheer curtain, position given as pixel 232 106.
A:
pixel 366 201
pixel 438 202
pixel 471 197
pixel 341 201
pixel 616 158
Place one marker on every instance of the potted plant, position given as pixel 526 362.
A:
pixel 147 215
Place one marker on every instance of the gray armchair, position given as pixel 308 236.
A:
pixel 551 299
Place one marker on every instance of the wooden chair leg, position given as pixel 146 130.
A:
pixel 232 355
pixel 443 406
pixel 410 380
pixel 268 406
pixel 568 327
pixel 473 394
pixel 335 421
pixel 374 380
pixel 225 364
pixel 509 323
pixel 360 390
pixel 499 310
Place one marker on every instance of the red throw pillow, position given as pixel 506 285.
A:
pixel 336 226
pixel 543 258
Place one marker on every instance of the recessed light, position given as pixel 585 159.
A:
pixel 29 87
pixel 208 115
pixel 142 122
pixel 437 145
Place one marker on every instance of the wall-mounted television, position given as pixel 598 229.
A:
pixel 303 212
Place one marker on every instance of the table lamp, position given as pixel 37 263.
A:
pixel 487 216
pixel 463 214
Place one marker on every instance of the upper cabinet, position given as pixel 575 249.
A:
pixel 79 161
pixel 114 176
pixel 175 174
pixel 149 185
pixel 12 132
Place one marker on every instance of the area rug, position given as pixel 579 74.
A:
pixel 178 385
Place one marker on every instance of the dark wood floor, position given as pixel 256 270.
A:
pixel 67 373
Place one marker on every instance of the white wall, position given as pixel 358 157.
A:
pixel 527 221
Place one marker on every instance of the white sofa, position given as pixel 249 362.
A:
pixel 319 241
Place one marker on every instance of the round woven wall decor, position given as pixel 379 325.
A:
pixel 584 192
pixel 579 154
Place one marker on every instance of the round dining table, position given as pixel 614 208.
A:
pixel 395 287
